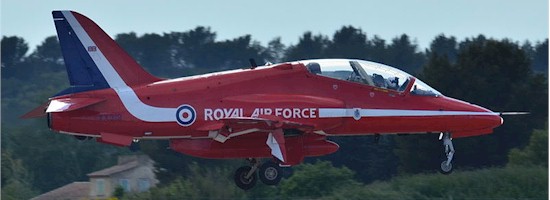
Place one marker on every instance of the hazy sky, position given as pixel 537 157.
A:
pixel 422 20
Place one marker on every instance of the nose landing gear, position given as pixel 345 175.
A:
pixel 446 165
pixel 269 172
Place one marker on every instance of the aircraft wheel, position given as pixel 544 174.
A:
pixel 270 173
pixel 446 169
pixel 241 180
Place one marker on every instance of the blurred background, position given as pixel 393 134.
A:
pixel 489 53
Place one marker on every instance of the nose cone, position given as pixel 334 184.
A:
pixel 486 117
pixel 493 120
pixel 472 119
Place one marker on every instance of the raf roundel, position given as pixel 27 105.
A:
pixel 186 115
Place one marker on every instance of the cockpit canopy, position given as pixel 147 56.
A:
pixel 368 73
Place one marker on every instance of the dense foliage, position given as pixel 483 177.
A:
pixel 498 74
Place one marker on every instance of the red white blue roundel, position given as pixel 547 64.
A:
pixel 186 115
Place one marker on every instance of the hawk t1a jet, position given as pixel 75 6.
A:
pixel 283 112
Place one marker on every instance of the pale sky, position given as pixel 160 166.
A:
pixel 422 20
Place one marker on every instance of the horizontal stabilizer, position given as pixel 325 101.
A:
pixel 70 104
pixel 39 111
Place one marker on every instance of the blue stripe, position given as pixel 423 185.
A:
pixel 81 69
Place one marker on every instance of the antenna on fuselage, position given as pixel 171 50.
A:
pixel 253 64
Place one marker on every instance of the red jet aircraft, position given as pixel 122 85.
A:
pixel 281 111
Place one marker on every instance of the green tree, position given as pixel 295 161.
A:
pixel 49 51
pixel 403 54
pixel 444 47
pixel 348 42
pixel 15 190
pixel 119 192
pixel 204 182
pixel 309 47
pixel 316 180
pixel 535 153
pixel 54 159
pixel 496 75
pixel 192 47
pixel 156 54
pixel 16 179
pixel 377 50
pixel 540 58
pixel 153 51
pixel 517 182
pixel 130 43
pixel 13 53
pixel 370 158
pixel 232 54
pixel 419 153
pixel 275 50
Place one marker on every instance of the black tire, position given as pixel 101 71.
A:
pixel 446 169
pixel 270 173
pixel 241 181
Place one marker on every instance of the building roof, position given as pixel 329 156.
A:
pixel 115 169
pixel 73 191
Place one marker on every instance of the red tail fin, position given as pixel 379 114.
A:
pixel 93 59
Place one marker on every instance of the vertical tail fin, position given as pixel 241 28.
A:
pixel 92 58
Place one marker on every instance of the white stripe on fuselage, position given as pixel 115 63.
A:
pixel 350 112
pixel 128 97
pixel 148 113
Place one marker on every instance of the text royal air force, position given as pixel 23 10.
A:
pixel 286 113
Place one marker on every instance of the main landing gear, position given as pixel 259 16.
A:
pixel 269 173
pixel 446 166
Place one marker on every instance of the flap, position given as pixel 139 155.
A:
pixel 115 139
pixel 276 142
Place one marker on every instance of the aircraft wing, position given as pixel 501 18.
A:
pixel 266 123
pixel 234 127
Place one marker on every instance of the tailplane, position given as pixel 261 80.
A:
pixel 92 58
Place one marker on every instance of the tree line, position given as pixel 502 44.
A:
pixel 501 75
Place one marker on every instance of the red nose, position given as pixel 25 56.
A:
pixel 475 120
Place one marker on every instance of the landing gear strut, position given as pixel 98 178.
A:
pixel 269 172
pixel 446 165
